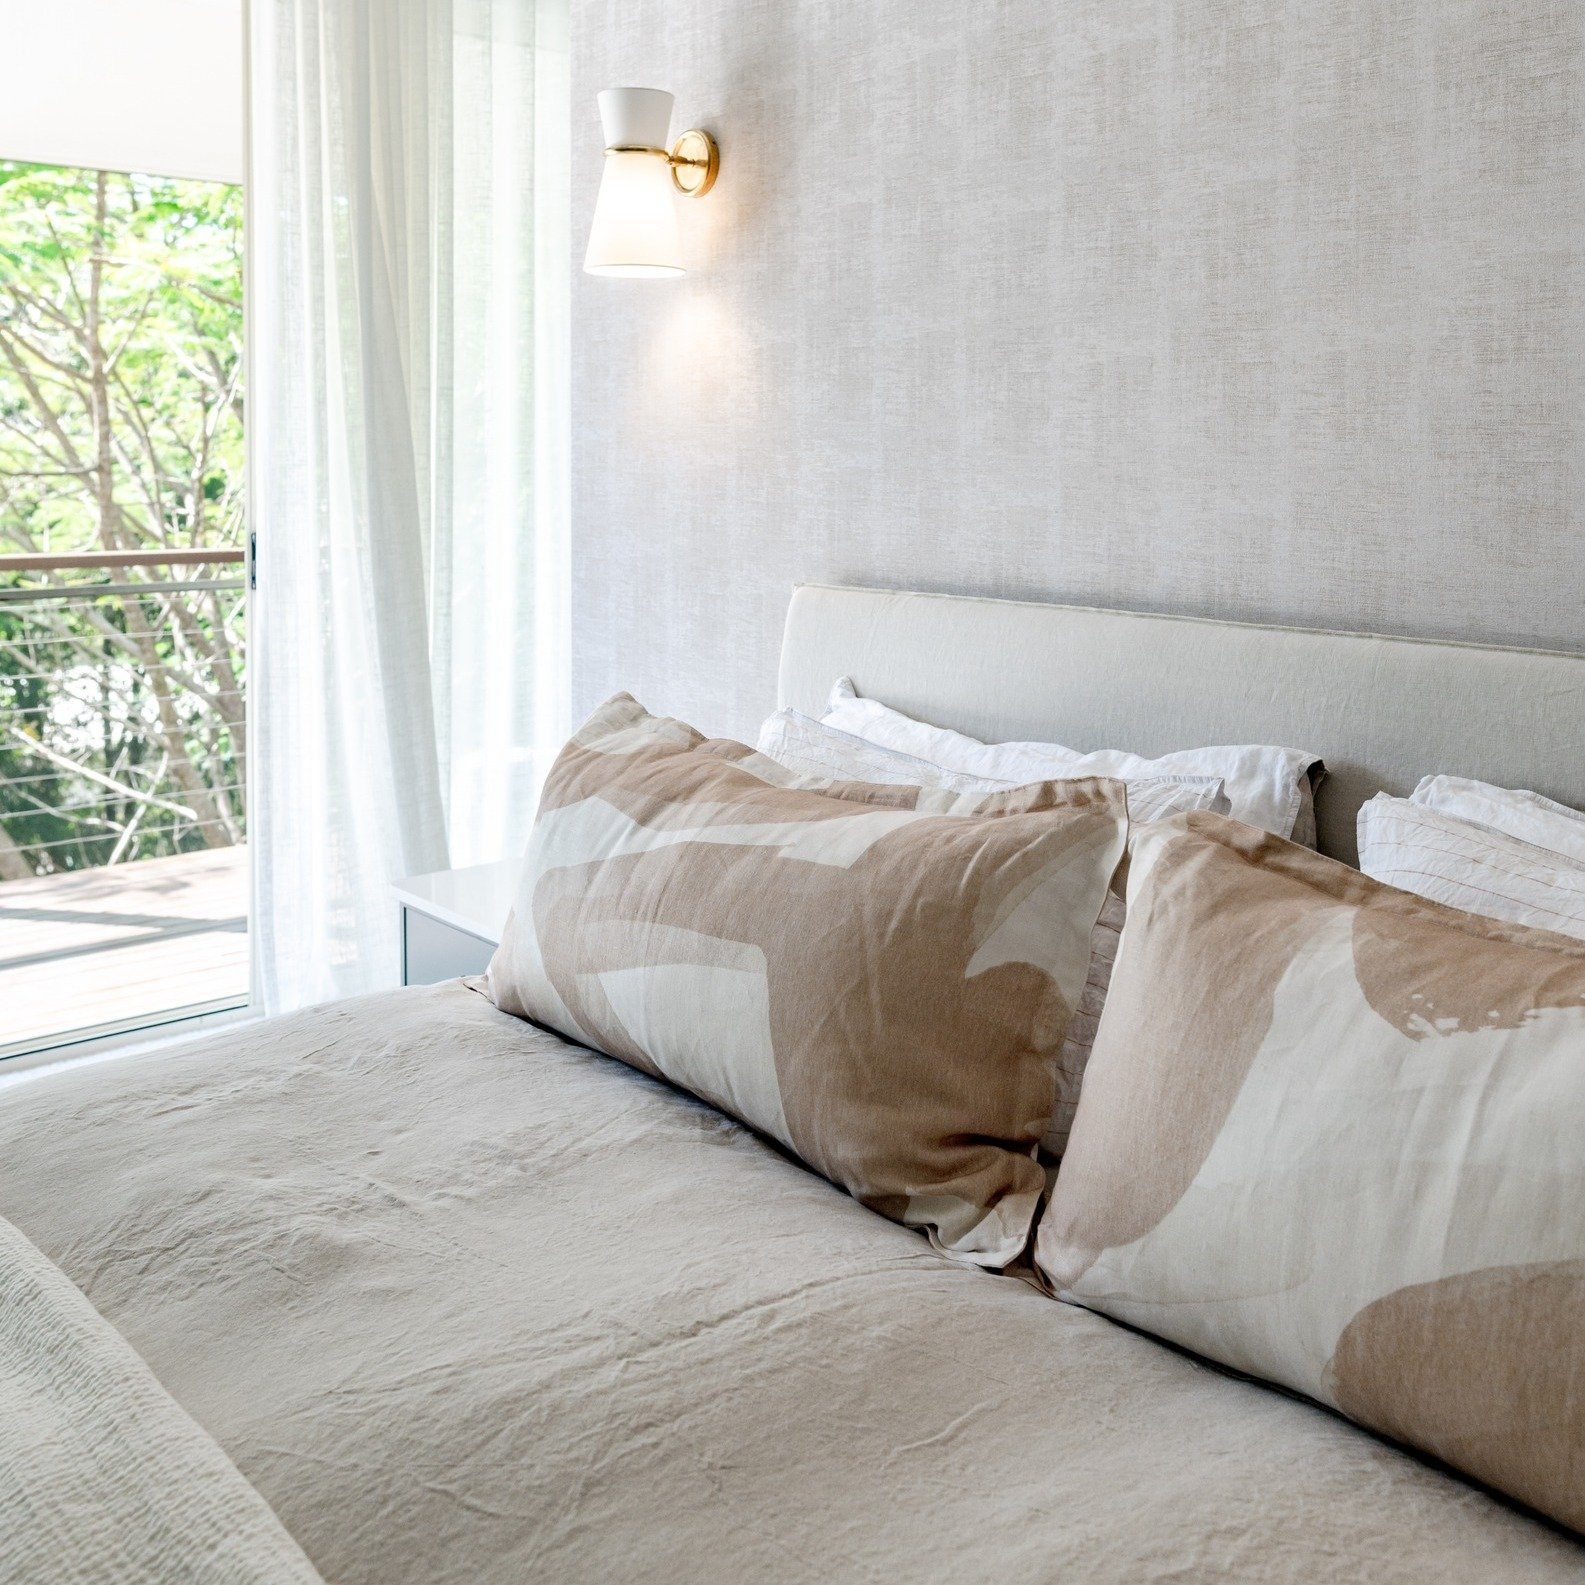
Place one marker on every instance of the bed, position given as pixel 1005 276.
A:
pixel 461 1301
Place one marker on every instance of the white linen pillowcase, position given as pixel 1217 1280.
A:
pixel 1266 785
pixel 1511 810
pixel 812 748
pixel 1449 860
pixel 816 748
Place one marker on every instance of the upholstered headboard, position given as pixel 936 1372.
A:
pixel 1382 712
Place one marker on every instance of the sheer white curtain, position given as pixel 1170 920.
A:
pixel 408 287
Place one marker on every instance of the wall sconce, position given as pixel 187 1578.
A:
pixel 635 219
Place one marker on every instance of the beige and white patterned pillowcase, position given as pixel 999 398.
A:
pixel 876 977
pixel 1331 1136
pixel 813 748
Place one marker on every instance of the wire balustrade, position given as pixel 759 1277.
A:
pixel 123 791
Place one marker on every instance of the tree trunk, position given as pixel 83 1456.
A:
pixel 195 792
pixel 13 866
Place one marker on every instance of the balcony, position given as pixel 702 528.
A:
pixel 123 751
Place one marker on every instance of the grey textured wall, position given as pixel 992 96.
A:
pixel 1267 309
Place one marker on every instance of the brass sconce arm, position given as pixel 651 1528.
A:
pixel 694 158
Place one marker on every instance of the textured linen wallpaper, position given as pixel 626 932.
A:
pixel 1266 309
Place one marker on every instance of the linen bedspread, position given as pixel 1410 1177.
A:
pixel 464 1302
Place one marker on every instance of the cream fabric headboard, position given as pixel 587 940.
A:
pixel 1382 712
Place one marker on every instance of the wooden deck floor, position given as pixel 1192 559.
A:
pixel 126 943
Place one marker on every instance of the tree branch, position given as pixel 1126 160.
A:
pixel 45 752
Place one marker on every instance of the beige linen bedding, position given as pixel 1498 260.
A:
pixel 466 1303
pixel 104 1480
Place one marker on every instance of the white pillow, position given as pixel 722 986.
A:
pixel 812 748
pixel 1525 815
pixel 815 748
pixel 1434 854
pixel 1266 786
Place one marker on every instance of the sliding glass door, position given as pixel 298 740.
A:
pixel 123 537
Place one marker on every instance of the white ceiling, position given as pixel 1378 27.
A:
pixel 130 85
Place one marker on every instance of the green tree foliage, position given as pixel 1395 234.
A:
pixel 122 733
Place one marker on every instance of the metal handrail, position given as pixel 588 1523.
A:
pixel 66 560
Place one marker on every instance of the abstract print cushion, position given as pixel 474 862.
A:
pixel 1333 1135
pixel 815 749
pixel 876 977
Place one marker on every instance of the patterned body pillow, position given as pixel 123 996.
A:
pixel 815 749
pixel 1331 1135
pixel 876 977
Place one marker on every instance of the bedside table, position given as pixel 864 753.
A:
pixel 452 920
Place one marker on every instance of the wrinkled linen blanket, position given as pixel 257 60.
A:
pixel 104 1478
pixel 469 1305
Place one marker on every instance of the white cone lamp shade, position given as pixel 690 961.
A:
pixel 635 215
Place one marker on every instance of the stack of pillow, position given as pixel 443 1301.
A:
pixel 862 739
pixel 1491 850
pixel 1330 1132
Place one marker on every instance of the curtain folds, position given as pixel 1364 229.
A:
pixel 408 264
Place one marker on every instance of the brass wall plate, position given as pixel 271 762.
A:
pixel 695 163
